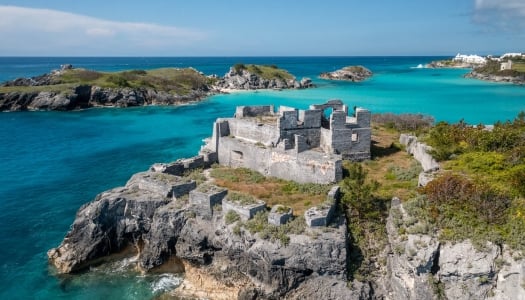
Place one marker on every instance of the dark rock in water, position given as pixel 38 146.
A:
pixel 350 73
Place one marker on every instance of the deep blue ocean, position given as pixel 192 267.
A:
pixel 53 162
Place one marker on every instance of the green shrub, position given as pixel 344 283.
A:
pixel 231 217
pixel 239 67
pixel 118 80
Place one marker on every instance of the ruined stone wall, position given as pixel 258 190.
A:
pixel 326 140
pixel 310 118
pixel 309 166
pixel 360 141
pixel 254 111
pixel 363 117
pixel 253 131
pixel 312 136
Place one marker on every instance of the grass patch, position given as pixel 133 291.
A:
pixel 265 72
pixel 242 199
pixel 519 67
pixel 171 80
pixel 271 190
pixel 231 217
pixel 259 225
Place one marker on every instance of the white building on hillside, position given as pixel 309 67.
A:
pixel 506 65
pixel 471 59
pixel 520 55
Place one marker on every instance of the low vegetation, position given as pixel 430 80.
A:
pixel 481 195
pixel 259 225
pixel 266 72
pixel 271 190
pixel 493 67
pixel 171 80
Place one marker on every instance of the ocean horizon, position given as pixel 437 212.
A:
pixel 54 162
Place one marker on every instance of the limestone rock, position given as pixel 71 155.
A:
pixel 411 259
pixel 420 151
pixel 510 279
pixel 244 80
pixel 465 272
pixel 350 73
pixel 520 79
pixel 115 220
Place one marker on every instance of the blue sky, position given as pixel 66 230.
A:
pixel 260 28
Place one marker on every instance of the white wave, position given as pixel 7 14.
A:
pixel 420 66
pixel 165 283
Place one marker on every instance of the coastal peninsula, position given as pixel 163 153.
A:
pixel 349 73
pixel 74 88
pixel 211 216
pixel 509 67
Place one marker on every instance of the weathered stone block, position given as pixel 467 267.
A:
pixel 205 197
pixel 162 184
pixel 334 194
pixel 193 162
pixel 280 215
pixel 175 168
pixel 245 211
pixel 322 215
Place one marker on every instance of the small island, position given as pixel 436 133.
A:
pixel 349 73
pixel 72 88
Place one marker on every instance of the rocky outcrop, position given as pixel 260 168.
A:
pixel 422 267
pixel 242 79
pixel 450 64
pixel 350 73
pixel 520 79
pixel 421 153
pixel 150 216
pixel 85 96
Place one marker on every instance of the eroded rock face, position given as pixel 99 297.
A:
pixel 144 216
pixel 114 220
pixel 244 80
pixel 467 273
pixel 421 267
pixel 350 73
pixel 520 79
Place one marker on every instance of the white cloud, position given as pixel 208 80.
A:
pixel 502 14
pixel 31 31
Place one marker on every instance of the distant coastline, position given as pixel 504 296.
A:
pixel 507 68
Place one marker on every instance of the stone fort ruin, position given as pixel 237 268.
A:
pixel 299 145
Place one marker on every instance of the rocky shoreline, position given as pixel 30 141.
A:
pixel 153 217
pixel 519 80
pixel 477 71
pixel 349 73
pixel 45 93
pixel 150 215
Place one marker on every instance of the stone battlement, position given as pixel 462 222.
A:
pixel 293 144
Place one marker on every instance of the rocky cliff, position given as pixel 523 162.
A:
pixel 350 73
pixel 422 267
pixel 150 215
pixel 85 96
pixel 69 88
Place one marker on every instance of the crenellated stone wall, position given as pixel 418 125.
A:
pixel 299 145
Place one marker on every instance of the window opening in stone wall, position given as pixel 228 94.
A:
pixel 237 154
pixel 355 137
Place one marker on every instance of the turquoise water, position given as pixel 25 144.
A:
pixel 53 162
